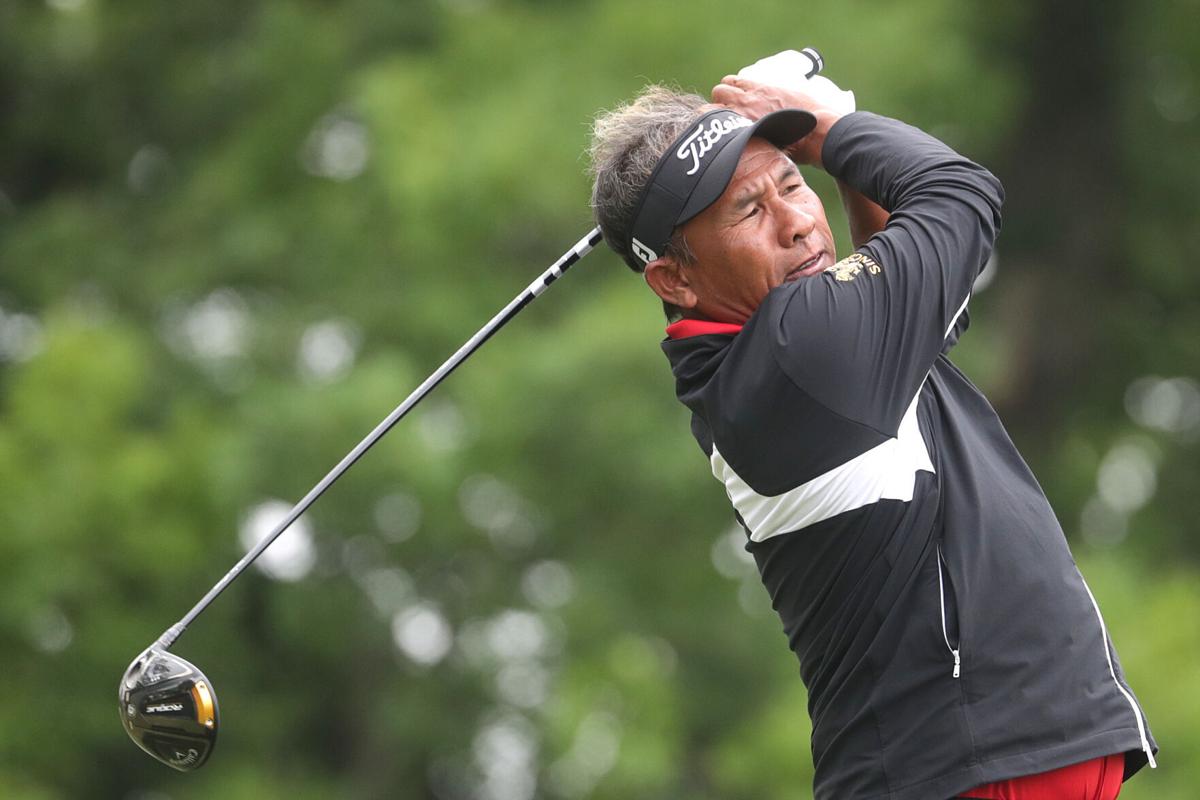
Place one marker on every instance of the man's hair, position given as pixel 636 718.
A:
pixel 627 143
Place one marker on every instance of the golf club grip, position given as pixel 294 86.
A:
pixel 539 285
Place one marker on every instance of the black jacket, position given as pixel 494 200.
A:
pixel 944 633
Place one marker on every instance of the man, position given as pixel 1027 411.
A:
pixel 949 644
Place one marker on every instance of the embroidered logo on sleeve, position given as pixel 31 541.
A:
pixel 848 268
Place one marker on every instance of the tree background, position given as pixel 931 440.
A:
pixel 234 235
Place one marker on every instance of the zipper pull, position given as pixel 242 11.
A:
pixel 957 663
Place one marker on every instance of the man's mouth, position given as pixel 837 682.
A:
pixel 807 268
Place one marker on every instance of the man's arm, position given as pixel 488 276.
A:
pixel 865 217
pixel 861 338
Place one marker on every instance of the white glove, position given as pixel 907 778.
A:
pixel 787 70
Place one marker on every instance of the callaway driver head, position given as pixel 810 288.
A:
pixel 169 709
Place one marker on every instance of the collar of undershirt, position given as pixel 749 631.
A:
pixel 686 328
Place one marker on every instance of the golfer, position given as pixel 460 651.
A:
pixel 948 642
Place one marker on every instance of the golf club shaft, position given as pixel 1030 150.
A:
pixel 578 251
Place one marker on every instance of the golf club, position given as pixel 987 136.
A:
pixel 168 707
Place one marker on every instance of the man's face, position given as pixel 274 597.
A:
pixel 768 227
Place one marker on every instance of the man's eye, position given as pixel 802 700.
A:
pixel 752 213
pixel 792 187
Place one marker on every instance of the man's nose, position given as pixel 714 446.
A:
pixel 795 224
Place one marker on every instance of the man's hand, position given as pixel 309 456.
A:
pixel 818 95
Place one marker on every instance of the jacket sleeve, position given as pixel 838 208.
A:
pixel 861 337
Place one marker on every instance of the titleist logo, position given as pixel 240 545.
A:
pixel 702 139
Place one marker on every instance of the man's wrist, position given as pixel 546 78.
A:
pixel 808 151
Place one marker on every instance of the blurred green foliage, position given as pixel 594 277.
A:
pixel 234 235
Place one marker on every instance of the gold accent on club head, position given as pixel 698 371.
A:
pixel 204 704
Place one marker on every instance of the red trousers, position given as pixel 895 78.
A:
pixel 1098 779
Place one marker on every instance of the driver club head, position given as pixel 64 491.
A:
pixel 169 709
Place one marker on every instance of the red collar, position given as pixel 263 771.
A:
pixel 686 328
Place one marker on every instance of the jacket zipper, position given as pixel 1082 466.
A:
pixel 954 651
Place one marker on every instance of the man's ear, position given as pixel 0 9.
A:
pixel 669 280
